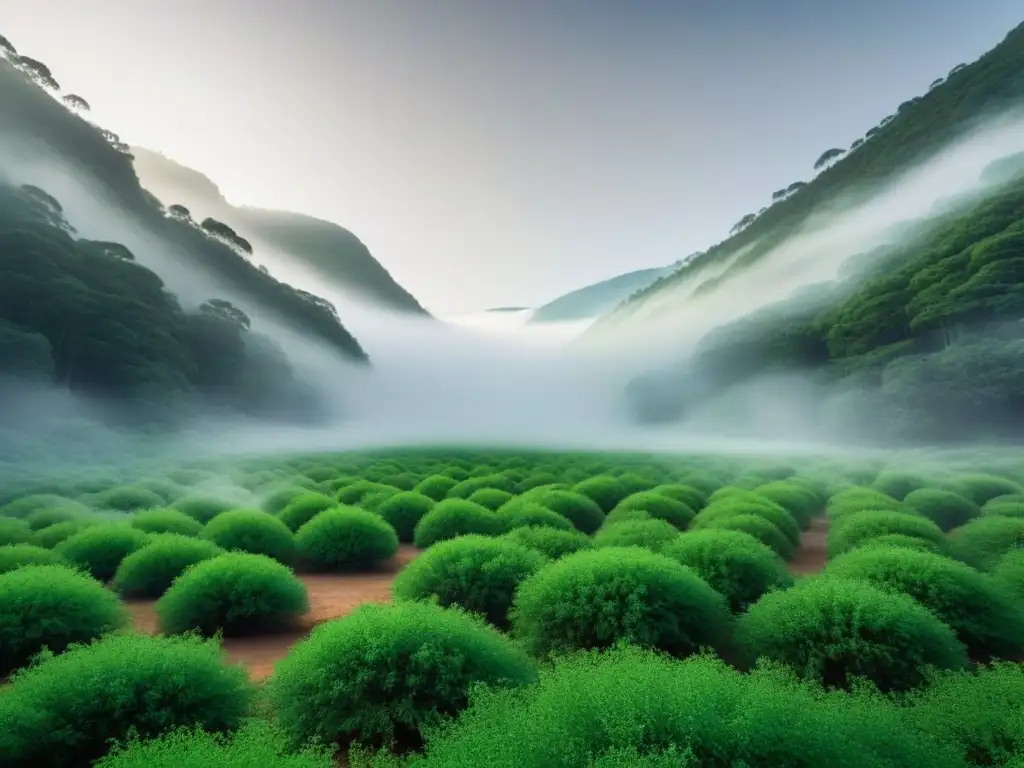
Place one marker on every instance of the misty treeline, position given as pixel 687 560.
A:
pixel 918 340
pixel 87 316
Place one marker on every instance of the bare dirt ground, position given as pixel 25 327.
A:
pixel 330 596
pixel 812 554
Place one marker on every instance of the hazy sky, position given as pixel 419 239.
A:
pixel 501 152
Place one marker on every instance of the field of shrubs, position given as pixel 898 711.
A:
pixel 587 610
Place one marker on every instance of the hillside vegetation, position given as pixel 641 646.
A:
pixel 334 252
pixel 594 300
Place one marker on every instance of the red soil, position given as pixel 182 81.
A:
pixel 812 554
pixel 330 596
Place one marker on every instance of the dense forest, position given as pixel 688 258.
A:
pixel 94 318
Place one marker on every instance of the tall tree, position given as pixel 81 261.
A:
pixel 828 156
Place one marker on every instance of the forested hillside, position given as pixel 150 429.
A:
pixel 596 299
pixel 335 253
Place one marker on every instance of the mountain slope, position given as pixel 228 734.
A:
pixel 598 298
pixel 334 252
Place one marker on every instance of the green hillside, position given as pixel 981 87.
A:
pixel 594 300
pixel 334 252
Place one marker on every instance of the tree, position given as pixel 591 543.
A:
pixel 828 156
pixel 227 311
pixel 746 221
pixel 7 49
pixel 956 69
pixel 76 102
pixel 222 231
pixel 796 186
pixel 779 194
pixel 115 141
pixel 937 82
pixel 39 72
pixel 856 144
pixel 180 212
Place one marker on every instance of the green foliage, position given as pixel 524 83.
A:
pixel 687 494
pixel 355 493
pixel 649 504
pixel 983 541
pixel 628 708
pixel 436 487
pixel 900 541
pixel 836 630
pixel 345 539
pixel 44 517
pixel 746 503
pixel 594 599
pixel 278 499
pixel 985 620
pixel 519 513
pixel 14 556
pixel 1007 575
pixel 584 514
pixel 99 549
pixel 981 488
pixel 14 531
pixel 899 484
pixel 735 564
pixel 604 490
pixel 149 571
pixel 127 498
pixel 859 499
pixel 166 521
pixel 256 743
pixel 403 511
pixel 492 498
pixel 946 509
pixel 304 507
pixel 202 508
pixel 648 533
pixel 236 593
pixel 858 527
pixel 801 502
pixel 549 541
pixel 64 711
pixel 52 535
pixel 51 606
pixel 754 524
pixel 386 673
pixel 253 531
pixel 455 517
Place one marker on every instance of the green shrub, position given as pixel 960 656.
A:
pixel 983 541
pixel 51 606
pixel 858 527
pixel 26 505
pixel 256 743
pixel 735 564
pixel 1004 508
pixel 860 499
pixel 519 514
pixel 1007 575
pixel 279 498
pixel 345 539
pixel 166 521
pixel 549 541
pixel 436 487
pixel 99 549
pixel 748 503
pixel 385 673
pixel 14 556
pixel 492 498
pixel 44 517
pixel 64 711
pixel 801 502
pixel 150 570
pixel 986 621
pixel 466 488
pixel 899 485
pixel 356 492
pixel 304 508
pixel 687 494
pixel 981 488
pixel 52 535
pixel 403 511
pixel 252 531
pixel 628 708
pixel 654 506
pixel 604 490
pixel 237 593
pixel 593 599
pixel 14 531
pixel 650 534
pixel 584 514
pixel 202 508
pixel 455 517
pixel 128 498
pixel 900 541
pixel 946 509
pixel 835 630
pixel 755 525
pixel 478 573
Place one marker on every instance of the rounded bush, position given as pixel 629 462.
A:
pixel 858 527
pixel 654 506
pixel 756 526
pixel 650 534
pixel 44 517
pixel 1004 508
pixel 279 498
pixel 584 514
pixel 594 599
pixel 466 488
pixel 252 531
pixel 549 541
pixel 455 517
pixel 99 549
pixel 604 490
pixel 356 492
pixel 860 499
pixel 14 531
pixel 345 539
pixel 986 621
pixel 899 541
pixel 477 573
pixel 66 710
pixel 735 564
pixel 237 593
pixel 51 606
pixel 690 496
pixel 750 504
pixel 25 505
pixel 835 630
pixel 304 508
pixel 899 485
pixel 403 511
pixel 492 498
pixel 983 541
pixel 519 514
pixel 149 571
pixel 1007 575
pixel 166 521
pixel 981 488
pixel 946 509
pixel 436 487
pixel 801 502
pixel 202 508
pixel 1012 501
pixel 14 556
pixel 384 672
pixel 128 498
pixel 52 535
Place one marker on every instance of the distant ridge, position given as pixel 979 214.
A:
pixel 596 299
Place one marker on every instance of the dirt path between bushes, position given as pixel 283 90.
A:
pixel 812 553
pixel 330 596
